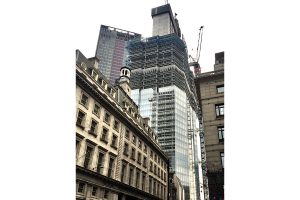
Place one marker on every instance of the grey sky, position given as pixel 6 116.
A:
pixel 135 15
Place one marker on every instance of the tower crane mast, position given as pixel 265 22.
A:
pixel 195 63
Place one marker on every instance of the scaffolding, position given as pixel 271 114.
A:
pixel 158 62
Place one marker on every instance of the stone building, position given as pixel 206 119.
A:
pixel 118 156
pixel 210 91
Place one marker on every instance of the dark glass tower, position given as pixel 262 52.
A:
pixel 111 50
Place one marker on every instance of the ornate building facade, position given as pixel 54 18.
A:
pixel 118 156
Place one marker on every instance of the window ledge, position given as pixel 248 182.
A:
pixel 114 147
pixel 93 133
pixel 80 126
pixel 103 140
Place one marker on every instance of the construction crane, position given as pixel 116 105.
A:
pixel 195 63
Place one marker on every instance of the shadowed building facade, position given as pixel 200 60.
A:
pixel 210 90
pixel 118 156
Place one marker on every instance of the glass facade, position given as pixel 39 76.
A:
pixel 163 88
pixel 111 50
pixel 168 113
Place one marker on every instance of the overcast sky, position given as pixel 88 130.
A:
pixel 135 16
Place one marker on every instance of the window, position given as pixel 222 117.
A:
pixel 137 179
pixel 145 161
pixel 139 159
pixel 84 100
pixel 150 185
pixel 151 170
pixel 221 133
pixel 100 162
pixel 116 125
pixel 93 129
pixel 130 176
pixel 81 187
pixel 133 139
pixel 78 143
pixel 145 148
pixel 104 135
pixel 140 144
pixel 133 153
pixel 220 88
pixel 127 134
pixel 143 181
pixel 155 158
pixel 151 154
pixel 94 191
pixel 88 154
pixel 110 167
pixel 220 110
pixel 96 109
pixel 106 194
pixel 125 151
pixel 123 172
pixel 155 169
pixel 222 159
pixel 80 118
pixel 106 117
pixel 114 141
pixel 154 187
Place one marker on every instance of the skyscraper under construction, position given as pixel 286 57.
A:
pixel 164 90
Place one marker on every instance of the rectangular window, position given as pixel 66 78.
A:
pixel 123 173
pixel 104 135
pixel 106 117
pixel 151 154
pixel 155 169
pixel 143 181
pixel 96 109
pixel 220 110
pixel 106 194
pixel 127 134
pixel 139 158
pixel 140 144
pixel 130 176
pixel 125 151
pixel 222 158
pixel 81 187
pixel 114 141
pixel 84 100
pixel 100 162
pixel 88 154
pixel 94 126
pixel 150 185
pixel 94 191
pixel 133 139
pixel 110 167
pixel 116 125
pixel 137 179
pixel 151 170
pixel 145 161
pixel 221 133
pixel 80 118
pixel 132 153
pixel 220 88
pixel 145 148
